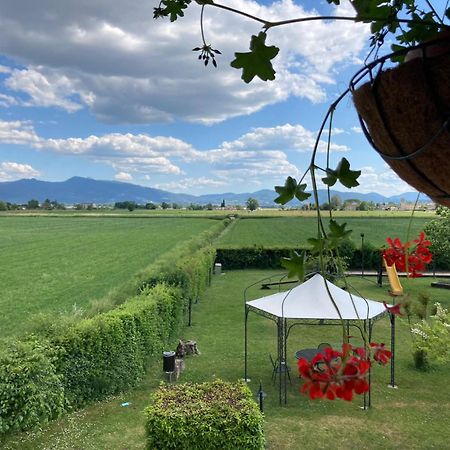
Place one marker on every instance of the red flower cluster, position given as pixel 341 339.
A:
pixel 380 354
pixel 334 374
pixel 407 258
pixel 394 309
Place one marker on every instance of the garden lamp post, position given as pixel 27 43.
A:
pixel 362 254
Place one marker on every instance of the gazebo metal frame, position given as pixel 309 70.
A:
pixel 284 328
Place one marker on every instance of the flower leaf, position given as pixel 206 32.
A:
pixel 300 193
pixel 337 232
pixel 318 245
pixel 342 173
pixel 257 61
pixel 295 265
pixel 290 190
pixel 174 8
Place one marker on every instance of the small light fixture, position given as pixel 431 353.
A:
pixel 261 395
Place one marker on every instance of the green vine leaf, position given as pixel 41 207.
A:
pixel 295 265
pixel 290 190
pixel 257 61
pixel 174 8
pixel 337 232
pixel 347 177
pixel 318 245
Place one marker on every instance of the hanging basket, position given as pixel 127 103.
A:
pixel 405 114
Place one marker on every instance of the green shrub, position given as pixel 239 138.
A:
pixel 216 415
pixel 109 353
pixel 251 257
pixel 31 392
pixel 269 258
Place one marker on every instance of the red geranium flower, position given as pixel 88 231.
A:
pixel 409 259
pixel 381 354
pixel 394 309
pixel 335 374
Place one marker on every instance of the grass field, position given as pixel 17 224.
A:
pixel 413 416
pixel 52 263
pixel 294 231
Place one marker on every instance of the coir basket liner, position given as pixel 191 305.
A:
pixel 405 112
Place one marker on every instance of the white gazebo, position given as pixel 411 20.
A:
pixel 317 299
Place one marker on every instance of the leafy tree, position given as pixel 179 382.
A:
pixel 209 207
pixel 150 205
pixel 47 204
pixel 363 206
pixel 165 205
pixel 126 205
pixel 252 204
pixel 438 232
pixel 3 206
pixel 335 202
pixel 195 207
pixel 32 204
pixel 176 206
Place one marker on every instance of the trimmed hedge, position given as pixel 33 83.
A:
pixel 269 258
pixel 207 416
pixel 109 353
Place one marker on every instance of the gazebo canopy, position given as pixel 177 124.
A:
pixel 311 300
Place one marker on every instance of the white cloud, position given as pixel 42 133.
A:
pixel 123 176
pixel 357 130
pixel 262 156
pixel 187 184
pixel 126 67
pixel 44 89
pixel 12 171
pixel 18 132
pixel 286 137
pixel 385 182
pixel 7 100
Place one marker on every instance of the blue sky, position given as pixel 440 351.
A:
pixel 100 89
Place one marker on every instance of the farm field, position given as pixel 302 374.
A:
pixel 294 231
pixel 413 416
pixel 50 264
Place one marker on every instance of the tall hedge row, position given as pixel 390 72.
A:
pixel 109 353
pixel 66 367
pixel 270 257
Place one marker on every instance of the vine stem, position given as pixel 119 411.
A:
pixel 267 24
pixel 201 25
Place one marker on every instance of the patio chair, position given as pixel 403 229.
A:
pixel 279 369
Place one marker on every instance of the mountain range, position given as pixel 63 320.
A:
pixel 87 190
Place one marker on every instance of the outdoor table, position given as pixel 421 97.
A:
pixel 307 353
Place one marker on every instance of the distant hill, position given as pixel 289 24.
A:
pixel 87 190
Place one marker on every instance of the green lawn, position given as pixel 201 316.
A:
pixel 52 263
pixel 294 231
pixel 415 416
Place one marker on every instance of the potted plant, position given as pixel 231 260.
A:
pixel 405 110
